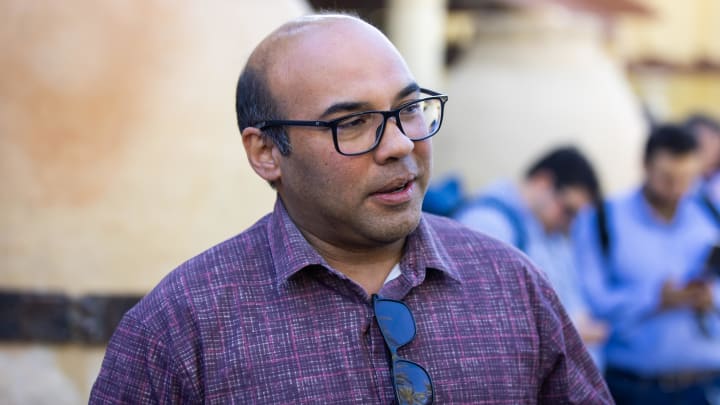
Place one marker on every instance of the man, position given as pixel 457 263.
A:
pixel 346 293
pixel 707 133
pixel 555 188
pixel 651 284
pixel 535 215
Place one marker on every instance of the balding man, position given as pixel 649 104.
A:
pixel 346 293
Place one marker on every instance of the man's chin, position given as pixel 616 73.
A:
pixel 400 228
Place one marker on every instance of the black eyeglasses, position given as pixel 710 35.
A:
pixel 361 132
pixel 411 381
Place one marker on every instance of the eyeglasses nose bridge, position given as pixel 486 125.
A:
pixel 386 116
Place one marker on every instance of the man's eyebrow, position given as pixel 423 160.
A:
pixel 348 106
pixel 352 106
pixel 408 90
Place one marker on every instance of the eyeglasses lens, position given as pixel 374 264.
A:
pixel 362 132
pixel 412 384
pixel 396 322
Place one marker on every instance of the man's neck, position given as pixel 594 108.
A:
pixel 367 266
pixel 665 210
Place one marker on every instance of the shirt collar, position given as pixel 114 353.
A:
pixel 289 249
pixel 426 249
pixel 648 213
pixel 292 253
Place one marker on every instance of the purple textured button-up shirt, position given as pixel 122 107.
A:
pixel 263 319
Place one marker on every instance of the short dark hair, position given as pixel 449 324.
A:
pixel 569 168
pixel 254 102
pixel 697 120
pixel 671 138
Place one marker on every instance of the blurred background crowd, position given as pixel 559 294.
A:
pixel 582 131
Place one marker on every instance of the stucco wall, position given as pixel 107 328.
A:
pixel 677 32
pixel 119 155
pixel 533 80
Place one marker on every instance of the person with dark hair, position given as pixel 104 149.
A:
pixel 707 133
pixel 652 283
pixel 554 189
pixel 535 216
pixel 346 292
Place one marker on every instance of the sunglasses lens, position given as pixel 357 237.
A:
pixel 396 322
pixel 412 384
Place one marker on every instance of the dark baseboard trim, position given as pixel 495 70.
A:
pixel 58 318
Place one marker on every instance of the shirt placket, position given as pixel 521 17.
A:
pixel 379 362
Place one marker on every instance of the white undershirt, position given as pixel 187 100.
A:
pixel 394 273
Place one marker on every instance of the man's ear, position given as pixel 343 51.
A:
pixel 262 154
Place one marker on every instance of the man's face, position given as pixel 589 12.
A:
pixel 669 177
pixel 709 148
pixel 559 207
pixel 348 201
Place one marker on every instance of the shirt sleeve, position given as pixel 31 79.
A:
pixel 568 373
pixel 611 299
pixel 138 369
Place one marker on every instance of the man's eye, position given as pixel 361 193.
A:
pixel 353 122
pixel 412 109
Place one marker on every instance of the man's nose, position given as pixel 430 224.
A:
pixel 393 142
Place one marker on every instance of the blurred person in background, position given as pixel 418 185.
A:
pixel 534 216
pixel 650 284
pixel 707 133
pixel 346 292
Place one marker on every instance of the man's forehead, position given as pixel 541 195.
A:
pixel 670 156
pixel 320 62
pixel 668 161
pixel 307 23
pixel 707 131
pixel 287 36
pixel 576 193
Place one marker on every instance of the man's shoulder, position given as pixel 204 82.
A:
pixel 493 270
pixel 188 287
pixel 248 248
pixel 624 199
pixel 475 251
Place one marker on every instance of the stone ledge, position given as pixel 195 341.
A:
pixel 58 318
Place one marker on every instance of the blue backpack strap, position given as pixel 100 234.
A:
pixel 445 197
pixel 710 208
pixel 604 232
pixel 604 228
pixel 511 214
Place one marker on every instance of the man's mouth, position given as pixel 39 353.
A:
pixel 395 187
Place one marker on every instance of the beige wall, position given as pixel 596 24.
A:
pixel 678 31
pixel 533 80
pixel 679 34
pixel 675 95
pixel 417 28
pixel 119 155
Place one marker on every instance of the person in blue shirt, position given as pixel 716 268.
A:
pixel 534 215
pixel 650 283
pixel 706 131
